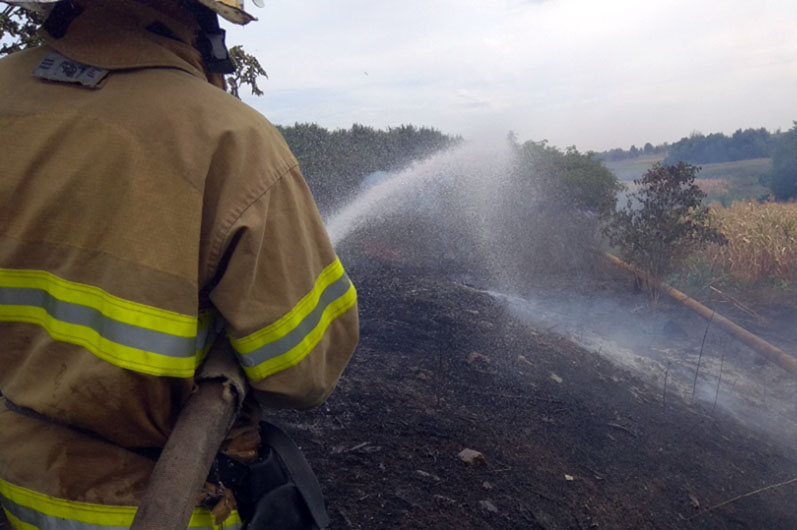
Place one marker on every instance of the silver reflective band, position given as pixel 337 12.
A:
pixel 43 521
pixel 296 335
pixel 113 330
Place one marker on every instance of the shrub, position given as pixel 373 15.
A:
pixel 663 222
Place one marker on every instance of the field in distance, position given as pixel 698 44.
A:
pixel 723 182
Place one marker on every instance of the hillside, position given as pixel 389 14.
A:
pixel 570 441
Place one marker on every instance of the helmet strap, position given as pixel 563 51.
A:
pixel 211 42
pixel 61 17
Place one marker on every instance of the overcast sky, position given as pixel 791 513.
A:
pixel 592 73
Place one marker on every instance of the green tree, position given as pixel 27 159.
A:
pixel 782 179
pixel 247 71
pixel 578 180
pixel 663 222
pixel 18 29
pixel 552 208
pixel 334 163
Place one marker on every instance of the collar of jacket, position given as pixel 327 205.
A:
pixel 113 35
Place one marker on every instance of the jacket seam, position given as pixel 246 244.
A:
pixel 104 253
pixel 216 249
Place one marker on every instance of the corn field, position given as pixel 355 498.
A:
pixel 762 241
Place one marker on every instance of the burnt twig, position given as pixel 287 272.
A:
pixel 719 382
pixel 749 494
pixel 700 357
pixel 664 396
pixel 622 428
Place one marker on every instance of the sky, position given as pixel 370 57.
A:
pixel 596 74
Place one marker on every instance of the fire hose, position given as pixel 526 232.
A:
pixel 186 459
pixel 280 488
pixel 764 348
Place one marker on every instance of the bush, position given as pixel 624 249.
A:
pixel 579 179
pixel 663 222
pixel 553 208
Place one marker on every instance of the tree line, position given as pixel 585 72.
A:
pixel 698 148
pixel 335 162
pixel 717 147
pixel 744 144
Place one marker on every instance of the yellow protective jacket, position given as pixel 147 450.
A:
pixel 143 213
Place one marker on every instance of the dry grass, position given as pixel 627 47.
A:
pixel 762 242
pixel 713 187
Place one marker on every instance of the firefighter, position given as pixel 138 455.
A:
pixel 144 215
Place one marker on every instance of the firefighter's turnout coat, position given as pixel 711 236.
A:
pixel 144 213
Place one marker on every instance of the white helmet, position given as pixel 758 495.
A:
pixel 232 10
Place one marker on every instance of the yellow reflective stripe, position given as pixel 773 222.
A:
pixel 291 338
pixel 81 512
pixel 294 317
pixel 296 354
pixel 17 524
pixel 117 354
pixel 127 334
pixel 76 515
pixel 113 307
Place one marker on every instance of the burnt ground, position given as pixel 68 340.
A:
pixel 569 440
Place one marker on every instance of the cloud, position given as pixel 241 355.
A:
pixel 597 74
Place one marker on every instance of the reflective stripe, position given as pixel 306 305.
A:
pixel 287 341
pixel 30 509
pixel 127 334
pixel 113 307
pixel 119 332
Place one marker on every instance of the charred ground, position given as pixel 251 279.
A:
pixel 441 367
pixel 569 440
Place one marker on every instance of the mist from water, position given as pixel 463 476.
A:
pixel 461 205
pixel 470 177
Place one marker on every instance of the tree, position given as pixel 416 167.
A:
pixel 247 71
pixel 717 147
pixel 663 222
pixel 334 163
pixel 18 30
pixel 782 179
pixel 572 179
pixel 552 205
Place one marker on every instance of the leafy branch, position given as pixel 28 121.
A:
pixel 18 30
pixel 247 71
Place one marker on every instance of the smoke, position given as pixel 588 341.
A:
pixel 695 361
